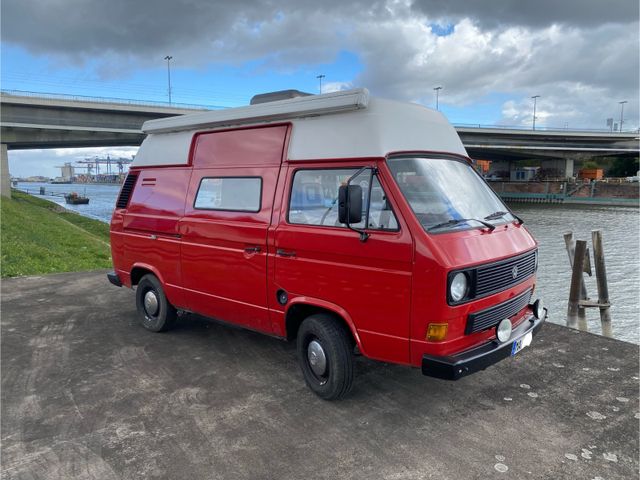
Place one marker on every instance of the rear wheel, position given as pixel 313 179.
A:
pixel 157 314
pixel 325 353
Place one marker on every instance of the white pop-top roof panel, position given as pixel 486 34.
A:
pixel 337 125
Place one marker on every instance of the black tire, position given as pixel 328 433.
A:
pixel 337 348
pixel 161 318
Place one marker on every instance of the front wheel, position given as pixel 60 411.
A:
pixel 325 353
pixel 156 313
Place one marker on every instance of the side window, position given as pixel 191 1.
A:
pixel 381 216
pixel 314 199
pixel 228 193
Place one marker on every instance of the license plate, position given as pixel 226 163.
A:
pixel 521 343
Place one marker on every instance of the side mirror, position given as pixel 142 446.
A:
pixel 350 204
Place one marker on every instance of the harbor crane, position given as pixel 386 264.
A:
pixel 111 163
pixel 111 167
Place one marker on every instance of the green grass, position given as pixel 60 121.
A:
pixel 39 237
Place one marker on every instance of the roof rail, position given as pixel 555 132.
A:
pixel 334 102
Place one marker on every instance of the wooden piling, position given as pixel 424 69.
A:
pixel 581 313
pixel 601 281
pixel 576 284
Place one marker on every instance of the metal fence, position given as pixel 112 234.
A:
pixel 123 101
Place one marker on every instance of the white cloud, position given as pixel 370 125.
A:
pixel 336 86
pixel 580 73
pixel 580 56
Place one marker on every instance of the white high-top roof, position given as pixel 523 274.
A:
pixel 347 124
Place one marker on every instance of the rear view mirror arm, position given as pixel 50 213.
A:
pixel 363 234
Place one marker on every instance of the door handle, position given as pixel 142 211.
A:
pixel 255 249
pixel 285 253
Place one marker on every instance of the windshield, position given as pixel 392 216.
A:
pixel 447 194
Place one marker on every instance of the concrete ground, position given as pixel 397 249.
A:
pixel 88 394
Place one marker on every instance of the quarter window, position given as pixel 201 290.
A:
pixel 228 193
pixel 314 199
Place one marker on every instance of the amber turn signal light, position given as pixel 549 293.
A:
pixel 437 332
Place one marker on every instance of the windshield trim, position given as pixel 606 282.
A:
pixel 460 227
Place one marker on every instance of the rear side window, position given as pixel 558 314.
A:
pixel 314 199
pixel 238 194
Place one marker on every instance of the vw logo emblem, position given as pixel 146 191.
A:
pixel 514 272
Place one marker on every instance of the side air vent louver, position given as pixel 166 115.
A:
pixel 127 189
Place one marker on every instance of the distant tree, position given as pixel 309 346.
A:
pixel 590 164
pixel 624 167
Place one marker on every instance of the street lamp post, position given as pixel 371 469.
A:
pixel 320 77
pixel 437 89
pixel 621 113
pixel 168 59
pixel 535 102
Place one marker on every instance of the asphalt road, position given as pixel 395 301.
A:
pixel 88 394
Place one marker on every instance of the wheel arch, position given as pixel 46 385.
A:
pixel 303 307
pixel 139 270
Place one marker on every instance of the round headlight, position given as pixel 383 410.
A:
pixel 503 332
pixel 458 288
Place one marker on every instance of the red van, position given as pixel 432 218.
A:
pixel 347 223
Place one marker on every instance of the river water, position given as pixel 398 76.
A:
pixel 101 203
pixel 621 235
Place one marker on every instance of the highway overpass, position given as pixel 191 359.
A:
pixel 57 121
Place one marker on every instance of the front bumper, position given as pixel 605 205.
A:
pixel 457 366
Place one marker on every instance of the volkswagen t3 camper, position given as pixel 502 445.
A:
pixel 347 223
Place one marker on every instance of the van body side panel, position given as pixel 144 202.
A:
pixel 150 226
pixel 370 280
pixel 276 310
pixel 224 252
pixel 118 247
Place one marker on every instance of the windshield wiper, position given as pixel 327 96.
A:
pixel 496 215
pixel 500 214
pixel 455 221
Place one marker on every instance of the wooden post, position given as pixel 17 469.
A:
pixel 576 284
pixel 601 280
pixel 571 250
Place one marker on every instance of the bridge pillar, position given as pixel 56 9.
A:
pixel 568 167
pixel 5 179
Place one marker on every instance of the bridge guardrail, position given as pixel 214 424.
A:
pixel 125 101
pixel 151 103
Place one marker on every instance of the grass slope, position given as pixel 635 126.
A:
pixel 41 237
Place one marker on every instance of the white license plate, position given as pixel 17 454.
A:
pixel 521 343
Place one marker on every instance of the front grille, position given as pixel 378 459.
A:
pixel 479 321
pixel 127 189
pixel 499 276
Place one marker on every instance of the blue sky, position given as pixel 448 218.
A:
pixel 580 56
pixel 215 85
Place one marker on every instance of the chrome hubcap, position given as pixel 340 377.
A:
pixel 151 302
pixel 317 358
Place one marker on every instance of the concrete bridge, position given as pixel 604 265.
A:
pixel 29 122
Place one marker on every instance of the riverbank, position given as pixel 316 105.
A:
pixel 594 193
pixel 40 237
